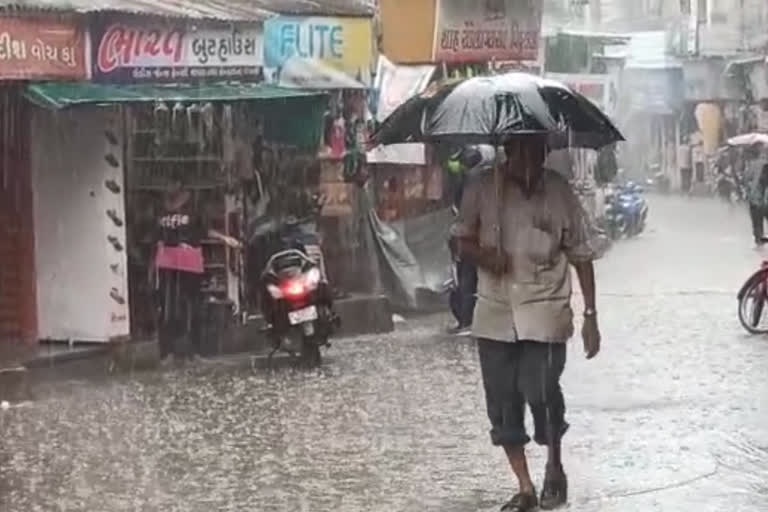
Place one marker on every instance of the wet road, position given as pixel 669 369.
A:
pixel 671 417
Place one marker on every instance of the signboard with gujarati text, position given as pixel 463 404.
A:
pixel 343 44
pixel 41 49
pixel 483 30
pixel 128 52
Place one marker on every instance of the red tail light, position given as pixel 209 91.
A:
pixel 294 289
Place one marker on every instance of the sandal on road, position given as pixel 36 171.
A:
pixel 554 493
pixel 521 503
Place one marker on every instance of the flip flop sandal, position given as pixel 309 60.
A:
pixel 521 503
pixel 554 493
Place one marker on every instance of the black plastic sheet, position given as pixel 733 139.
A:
pixel 413 259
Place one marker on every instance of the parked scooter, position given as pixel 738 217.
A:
pixel 626 211
pixel 658 181
pixel 298 306
pixel 634 207
pixel 295 297
pixel 614 220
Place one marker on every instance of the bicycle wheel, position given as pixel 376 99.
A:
pixel 752 301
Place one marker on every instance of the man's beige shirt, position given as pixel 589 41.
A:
pixel 540 235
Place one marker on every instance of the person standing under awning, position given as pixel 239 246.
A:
pixel 178 268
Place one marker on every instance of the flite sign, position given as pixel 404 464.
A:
pixel 341 44
pixel 133 52
pixel 482 30
pixel 41 50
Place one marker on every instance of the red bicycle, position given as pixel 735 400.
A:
pixel 752 300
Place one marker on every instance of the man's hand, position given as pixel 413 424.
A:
pixel 591 335
pixel 231 242
pixel 489 259
pixel 493 261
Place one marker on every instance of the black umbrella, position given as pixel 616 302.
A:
pixel 492 109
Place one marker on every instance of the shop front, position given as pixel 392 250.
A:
pixel 31 48
pixel 335 56
pixel 171 105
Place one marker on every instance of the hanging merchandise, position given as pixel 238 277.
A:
pixel 208 121
pixel 261 203
pixel 257 148
pixel 361 134
pixel 338 134
pixel 194 125
pixel 354 158
pixel 242 121
pixel 350 134
pixel 337 104
pixel 178 121
pixel 162 123
pixel 227 135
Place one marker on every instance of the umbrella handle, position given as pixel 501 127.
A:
pixel 499 186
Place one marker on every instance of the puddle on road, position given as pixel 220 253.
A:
pixel 396 423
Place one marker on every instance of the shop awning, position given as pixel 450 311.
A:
pixel 63 95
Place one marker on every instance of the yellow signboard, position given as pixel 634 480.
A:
pixel 343 44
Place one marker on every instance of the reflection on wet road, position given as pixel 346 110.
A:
pixel 671 417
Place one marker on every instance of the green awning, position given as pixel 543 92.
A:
pixel 63 95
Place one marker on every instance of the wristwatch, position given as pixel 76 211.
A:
pixel 590 312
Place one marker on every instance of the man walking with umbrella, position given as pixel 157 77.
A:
pixel 522 226
pixel 524 231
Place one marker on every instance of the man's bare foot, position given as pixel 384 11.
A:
pixel 521 502
pixel 554 492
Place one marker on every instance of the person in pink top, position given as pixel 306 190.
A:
pixel 179 267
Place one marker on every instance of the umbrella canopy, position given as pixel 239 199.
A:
pixel 489 110
pixel 748 139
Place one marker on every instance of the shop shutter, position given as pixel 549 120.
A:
pixel 17 284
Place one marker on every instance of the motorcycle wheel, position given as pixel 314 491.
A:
pixel 751 307
pixel 629 229
pixel 310 354
pixel 614 231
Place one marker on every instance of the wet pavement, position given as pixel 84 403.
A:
pixel 671 417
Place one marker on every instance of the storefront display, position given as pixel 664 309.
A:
pixel 183 142
pixel 213 138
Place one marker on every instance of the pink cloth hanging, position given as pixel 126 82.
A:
pixel 183 258
pixel 337 143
